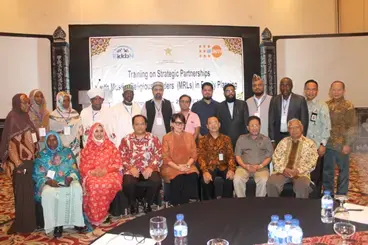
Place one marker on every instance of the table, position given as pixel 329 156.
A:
pixel 240 221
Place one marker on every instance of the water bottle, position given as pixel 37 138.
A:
pixel 326 208
pixel 288 218
pixel 272 226
pixel 295 234
pixel 281 234
pixel 180 231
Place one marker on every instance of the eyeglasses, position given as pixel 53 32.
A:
pixel 130 237
pixel 179 123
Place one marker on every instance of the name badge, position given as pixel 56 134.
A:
pixel 42 132
pixel 34 137
pixel 67 130
pixel 313 117
pixel 159 121
pixel 221 157
pixel 50 174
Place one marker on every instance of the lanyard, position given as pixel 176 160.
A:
pixel 94 114
pixel 66 119
pixel 285 104
pixel 38 115
pixel 262 100
pixel 130 112
pixel 158 109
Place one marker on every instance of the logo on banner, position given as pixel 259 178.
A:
pixel 168 51
pixel 208 51
pixel 123 52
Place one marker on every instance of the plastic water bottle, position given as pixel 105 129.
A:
pixel 288 218
pixel 281 234
pixel 295 234
pixel 180 231
pixel 272 226
pixel 326 208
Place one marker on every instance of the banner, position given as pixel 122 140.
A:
pixel 181 63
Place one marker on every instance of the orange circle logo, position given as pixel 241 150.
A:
pixel 216 51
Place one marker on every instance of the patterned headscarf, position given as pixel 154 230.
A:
pixel 38 114
pixel 59 102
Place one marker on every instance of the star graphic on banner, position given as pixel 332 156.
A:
pixel 168 51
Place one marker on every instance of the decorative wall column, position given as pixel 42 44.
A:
pixel 268 62
pixel 60 63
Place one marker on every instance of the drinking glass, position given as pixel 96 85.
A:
pixel 217 241
pixel 341 213
pixel 344 230
pixel 158 229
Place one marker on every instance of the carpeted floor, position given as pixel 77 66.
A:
pixel 358 194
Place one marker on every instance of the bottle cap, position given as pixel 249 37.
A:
pixel 274 218
pixel 295 222
pixel 288 217
pixel 180 217
pixel 327 192
pixel 281 223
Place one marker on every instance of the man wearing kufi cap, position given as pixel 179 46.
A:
pixel 123 113
pixel 158 112
pixel 95 113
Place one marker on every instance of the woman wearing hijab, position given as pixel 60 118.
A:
pixel 39 115
pixel 67 123
pixel 57 186
pixel 100 169
pixel 17 151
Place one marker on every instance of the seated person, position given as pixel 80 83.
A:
pixel 253 153
pixel 57 186
pixel 141 156
pixel 216 158
pixel 100 165
pixel 294 159
pixel 179 152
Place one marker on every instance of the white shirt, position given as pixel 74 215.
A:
pixel 122 120
pixel 231 108
pixel 284 113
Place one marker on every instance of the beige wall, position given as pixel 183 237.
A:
pixel 353 16
pixel 283 17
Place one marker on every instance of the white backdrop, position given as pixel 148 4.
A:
pixel 326 59
pixel 182 63
pixel 25 64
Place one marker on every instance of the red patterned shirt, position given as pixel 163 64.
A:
pixel 141 153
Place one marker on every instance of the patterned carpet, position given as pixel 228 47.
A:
pixel 358 194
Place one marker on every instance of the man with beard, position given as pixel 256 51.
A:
pixel 283 108
pixel 96 113
pixel 233 115
pixel 259 104
pixel 158 112
pixel 123 113
pixel 206 107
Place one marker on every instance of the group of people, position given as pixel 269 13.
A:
pixel 125 145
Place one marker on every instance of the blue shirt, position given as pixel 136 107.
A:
pixel 204 111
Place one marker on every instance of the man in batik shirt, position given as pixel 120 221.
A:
pixel 294 159
pixel 141 154
pixel 343 135
pixel 216 159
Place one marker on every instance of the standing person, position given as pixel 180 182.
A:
pixel 179 153
pixel 67 123
pixel 216 159
pixel 39 115
pixel 206 107
pixel 233 115
pixel 123 113
pixel 253 153
pixel 343 135
pixel 17 151
pixel 318 129
pixel 259 104
pixel 96 113
pixel 193 124
pixel 100 166
pixel 158 112
pixel 58 188
pixel 283 108
pixel 141 154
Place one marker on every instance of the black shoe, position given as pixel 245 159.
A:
pixel 107 220
pixel 81 229
pixel 58 231
pixel 147 208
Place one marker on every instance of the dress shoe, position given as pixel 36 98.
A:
pixel 58 231
pixel 133 210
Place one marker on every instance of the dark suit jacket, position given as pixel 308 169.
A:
pixel 233 127
pixel 297 109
